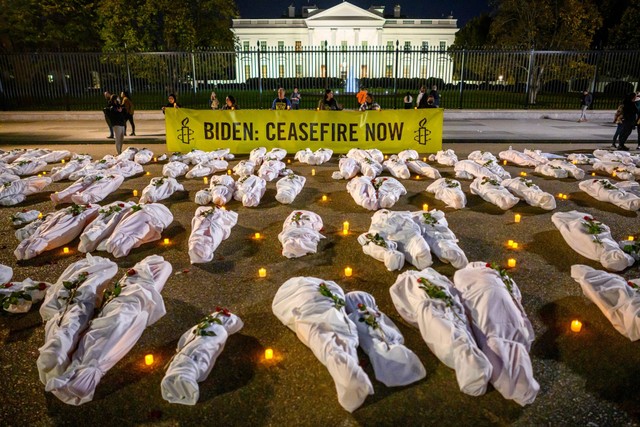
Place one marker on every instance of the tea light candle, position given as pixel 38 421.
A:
pixel 386 156
pixel 504 162
pixel 148 359
pixel 268 354
pixel 155 159
pixel 424 159
pixel 417 176
pixel 348 271
pixel 345 227
pixel 228 171
pixel 510 243
pixel 576 325
pixel 313 172
pixel 148 173
pixel 262 272
pixel 565 197
pixel 39 175
pixel 523 174
pixel 630 238
pixel 65 250
pixel 324 198
pixel 515 245
pixel 511 262
pixel 257 236
pixel 62 160
pixel 40 216
pixel 560 195
pixel 425 206
pixel 206 180
pixel 135 193
pixel 613 174
pixel 44 172
pixel 517 218
pixel 166 241
pixel 288 160
pixel 593 174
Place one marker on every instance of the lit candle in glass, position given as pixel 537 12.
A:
pixel 324 198
pixel 504 162
pixel 313 172
pixel 288 160
pixel 155 159
pixel 630 238
pixel 135 193
pixel 613 174
pixel 515 245
pixel 560 195
pixel 425 206
pixel 206 180
pixel 44 172
pixel 40 215
pixel 565 197
pixel 593 174
pixel 517 218
pixel 148 359
pixel 228 171
pixel 576 325
pixel 262 272
pixel 417 176
pixel 510 243
pixel 424 159
pixel 511 262
pixel 268 354
pixel 62 160
pixel 65 250
pixel 345 227
pixel 166 241
pixel 148 173
pixel 523 174
pixel 348 271
pixel 257 236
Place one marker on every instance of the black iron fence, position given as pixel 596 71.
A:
pixel 465 79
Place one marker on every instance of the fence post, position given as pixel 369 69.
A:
pixel 529 73
pixel 126 61
pixel 326 66
pixel 464 58
pixel 64 84
pixel 259 71
pixel 395 73
pixel 194 80
pixel 595 79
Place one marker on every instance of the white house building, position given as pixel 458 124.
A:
pixel 344 41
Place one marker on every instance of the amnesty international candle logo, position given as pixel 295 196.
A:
pixel 185 133
pixel 422 134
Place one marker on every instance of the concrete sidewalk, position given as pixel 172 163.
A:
pixel 459 126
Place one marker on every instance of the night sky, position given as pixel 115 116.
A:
pixel 463 10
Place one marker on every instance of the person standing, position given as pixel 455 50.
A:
pixel 629 118
pixel 408 101
pixel 215 104
pixel 295 99
pixel 105 110
pixel 423 91
pixel 436 96
pixel 127 105
pixel 585 102
pixel 173 102
pixel 617 119
pixel 117 117
pixel 281 102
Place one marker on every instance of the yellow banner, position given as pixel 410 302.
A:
pixel 241 131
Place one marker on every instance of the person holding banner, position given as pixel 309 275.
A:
pixel 173 103
pixel 329 102
pixel 281 102
pixel 230 103
pixel 368 104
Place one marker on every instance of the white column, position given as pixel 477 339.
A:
pixel 356 36
pixel 333 36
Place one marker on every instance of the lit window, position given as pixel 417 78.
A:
pixel 247 72
pixel 281 71
pixel 443 45
pixel 280 46
pixel 263 45
pixel 425 46
pixel 298 71
pixel 390 45
pixel 298 45
pixel 389 71
pixel 407 46
pixel 264 71
pixel 245 45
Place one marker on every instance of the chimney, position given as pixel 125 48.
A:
pixel 292 11
pixel 396 11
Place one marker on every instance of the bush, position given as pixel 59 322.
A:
pixel 619 88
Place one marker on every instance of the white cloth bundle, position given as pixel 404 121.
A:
pixel 428 300
pixel 375 154
pixel 271 169
pixel 382 249
pixel 19 297
pixel 57 229
pixel 244 168
pixel 257 155
pixel 103 225
pixel 24 217
pixel 406 155
pixel 481 157
pixel 348 168
pixel 579 159
pixel 617 298
pixel 203 197
pixel 538 155
pixel 468 169
pixel 370 168
pixel 571 169
pixel 209 227
pixel 400 228
pixel 160 188
pixel 276 153
pixel 598 245
pixel 11 155
pixel 249 190
pixel 6 177
pixel 128 154
pixel 126 168
pixel 320 156
pixel 519 158
pixel 176 157
pixel 195 156
pixel 449 191
pixel 32 154
pixel 92 168
pixel 207 168
pixel 421 168
pixel 493 192
pixel 617 156
pixel 6 273
pixel 142 224
pixel 605 191
pixel 63 172
pixel 393 363
pixel 197 352
pixel 221 188
pixel 27 167
pixel 321 323
pixel 494 167
pixel 114 331
pixel 54 156
pixel 15 192
pixel 143 156
pixel 445 157
pixel 376 193
pixel 617 169
pixel 397 167
pixel 89 189
pixel 67 309
pixel 221 153
pixel 175 169
pixel 501 328
pixel 442 241
pixel 530 193
pixel 28 230
pixel 289 187
pixel 300 234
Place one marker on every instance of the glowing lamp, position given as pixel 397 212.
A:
pixel 148 359
pixel 135 193
pixel 268 354
pixel 313 172
pixel 576 326
pixel 324 198
pixel 65 250
pixel 257 236
pixel 345 227
pixel 425 206
pixel 511 262
pixel 348 271
pixel 166 241
pixel 262 272
pixel 517 218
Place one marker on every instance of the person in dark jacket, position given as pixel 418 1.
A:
pixel 329 102
pixel 230 103
pixel 127 104
pixel 585 101
pixel 173 102
pixel 629 118
pixel 107 97
pixel 117 116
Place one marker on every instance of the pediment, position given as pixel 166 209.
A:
pixel 345 11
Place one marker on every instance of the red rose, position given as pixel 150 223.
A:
pixel 121 205
pixel 42 286
pixel 488 265
pixel 588 218
pixel 185 271
pixel 224 311
pixel 131 272
pixel 7 285
pixel 361 306
pixel 633 285
pixel 24 211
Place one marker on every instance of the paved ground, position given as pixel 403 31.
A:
pixel 586 379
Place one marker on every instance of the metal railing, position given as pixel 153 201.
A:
pixel 466 79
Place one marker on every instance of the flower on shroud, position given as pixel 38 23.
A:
pixel 633 286
pixel 593 227
pixel 224 311
pixel 338 302
pixel 508 282
pixel 131 272
pixel 368 316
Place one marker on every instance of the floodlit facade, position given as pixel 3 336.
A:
pixel 344 41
